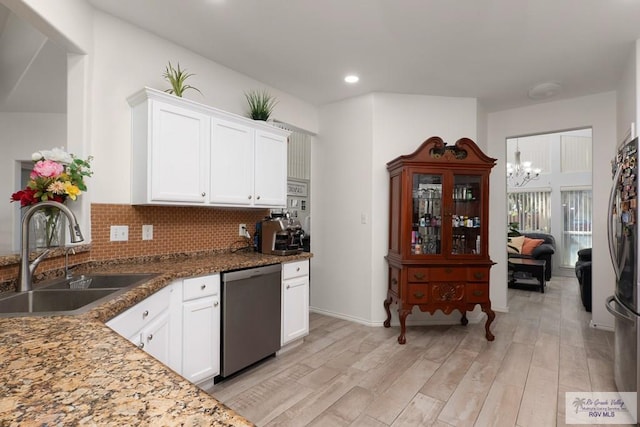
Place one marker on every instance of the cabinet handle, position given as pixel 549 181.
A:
pixel 298 269
pixel 478 275
pixel 141 345
pixel 418 295
pixel 419 276
pixel 258 198
pixel 145 314
pixel 249 196
pixel 288 286
pixel 478 293
pixel 203 287
pixel 215 303
pixel 204 194
pixel 394 281
pixel 150 337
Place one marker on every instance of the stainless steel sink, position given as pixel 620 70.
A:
pixel 69 296
pixel 100 281
pixel 47 302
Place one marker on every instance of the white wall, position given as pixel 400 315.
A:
pixel 596 111
pixel 125 59
pixel 627 93
pixel 22 134
pixel 350 183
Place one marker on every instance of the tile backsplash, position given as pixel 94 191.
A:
pixel 175 230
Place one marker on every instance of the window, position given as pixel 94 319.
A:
pixel 531 210
pixel 576 223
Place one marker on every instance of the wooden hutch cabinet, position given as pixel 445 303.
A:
pixel 438 231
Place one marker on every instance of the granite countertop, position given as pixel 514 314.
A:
pixel 69 370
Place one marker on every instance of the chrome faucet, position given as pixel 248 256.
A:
pixel 27 268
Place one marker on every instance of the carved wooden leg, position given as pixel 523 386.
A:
pixel 387 303
pixel 464 319
pixel 403 313
pixel 490 316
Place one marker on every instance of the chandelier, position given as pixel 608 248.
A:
pixel 520 173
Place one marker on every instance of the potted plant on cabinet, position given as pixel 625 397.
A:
pixel 177 77
pixel 261 104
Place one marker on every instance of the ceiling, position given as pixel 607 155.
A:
pixel 493 50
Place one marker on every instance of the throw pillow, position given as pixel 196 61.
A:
pixel 530 244
pixel 516 243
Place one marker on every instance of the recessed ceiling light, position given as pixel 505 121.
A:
pixel 351 78
pixel 544 90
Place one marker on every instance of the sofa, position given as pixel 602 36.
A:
pixel 544 251
pixel 583 273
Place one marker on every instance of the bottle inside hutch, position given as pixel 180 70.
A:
pixel 427 214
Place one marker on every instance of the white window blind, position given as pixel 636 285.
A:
pixel 577 206
pixel 576 153
pixel 531 210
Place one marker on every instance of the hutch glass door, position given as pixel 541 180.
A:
pixel 466 215
pixel 426 233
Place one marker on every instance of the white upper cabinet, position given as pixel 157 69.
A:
pixel 270 169
pixel 232 163
pixel 186 153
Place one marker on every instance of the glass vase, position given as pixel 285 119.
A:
pixel 46 229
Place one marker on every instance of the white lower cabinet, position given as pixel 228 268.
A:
pixel 295 301
pixel 201 328
pixel 147 324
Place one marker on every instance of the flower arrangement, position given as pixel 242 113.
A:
pixel 56 175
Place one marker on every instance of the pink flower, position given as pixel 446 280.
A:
pixel 47 169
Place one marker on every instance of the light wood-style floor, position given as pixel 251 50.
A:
pixel 347 374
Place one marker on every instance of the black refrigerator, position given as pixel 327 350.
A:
pixel 623 247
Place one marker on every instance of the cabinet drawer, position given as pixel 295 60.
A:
pixel 418 274
pixel 138 316
pixel 478 274
pixel 477 292
pixel 295 269
pixel 199 287
pixel 418 293
pixel 448 273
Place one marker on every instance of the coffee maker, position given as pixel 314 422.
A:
pixel 281 235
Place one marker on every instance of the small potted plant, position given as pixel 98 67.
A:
pixel 177 77
pixel 261 104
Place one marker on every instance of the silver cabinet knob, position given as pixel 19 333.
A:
pixel 216 303
pixel 141 345
pixel 145 314
pixel 249 197
pixel 203 287
pixel 288 286
pixel 204 194
pixel 298 269
pixel 258 197
pixel 150 337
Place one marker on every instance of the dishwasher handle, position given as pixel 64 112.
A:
pixel 624 314
pixel 233 276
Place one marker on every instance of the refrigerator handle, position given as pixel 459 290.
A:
pixel 627 315
pixel 610 237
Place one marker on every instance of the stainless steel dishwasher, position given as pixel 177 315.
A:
pixel 250 316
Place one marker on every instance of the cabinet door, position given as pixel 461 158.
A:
pixel 295 309
pixel 156 338
pixel 428 214
pixel 270 169
pixel 232 163
pixel 468 215
pixel 201 339
pixel 179 154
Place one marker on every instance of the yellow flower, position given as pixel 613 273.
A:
pixel 72 190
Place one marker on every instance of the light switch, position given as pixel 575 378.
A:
pixel 119 233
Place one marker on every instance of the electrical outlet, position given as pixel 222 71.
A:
pixel 147 232
pixel 119 233
pixel 242 230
